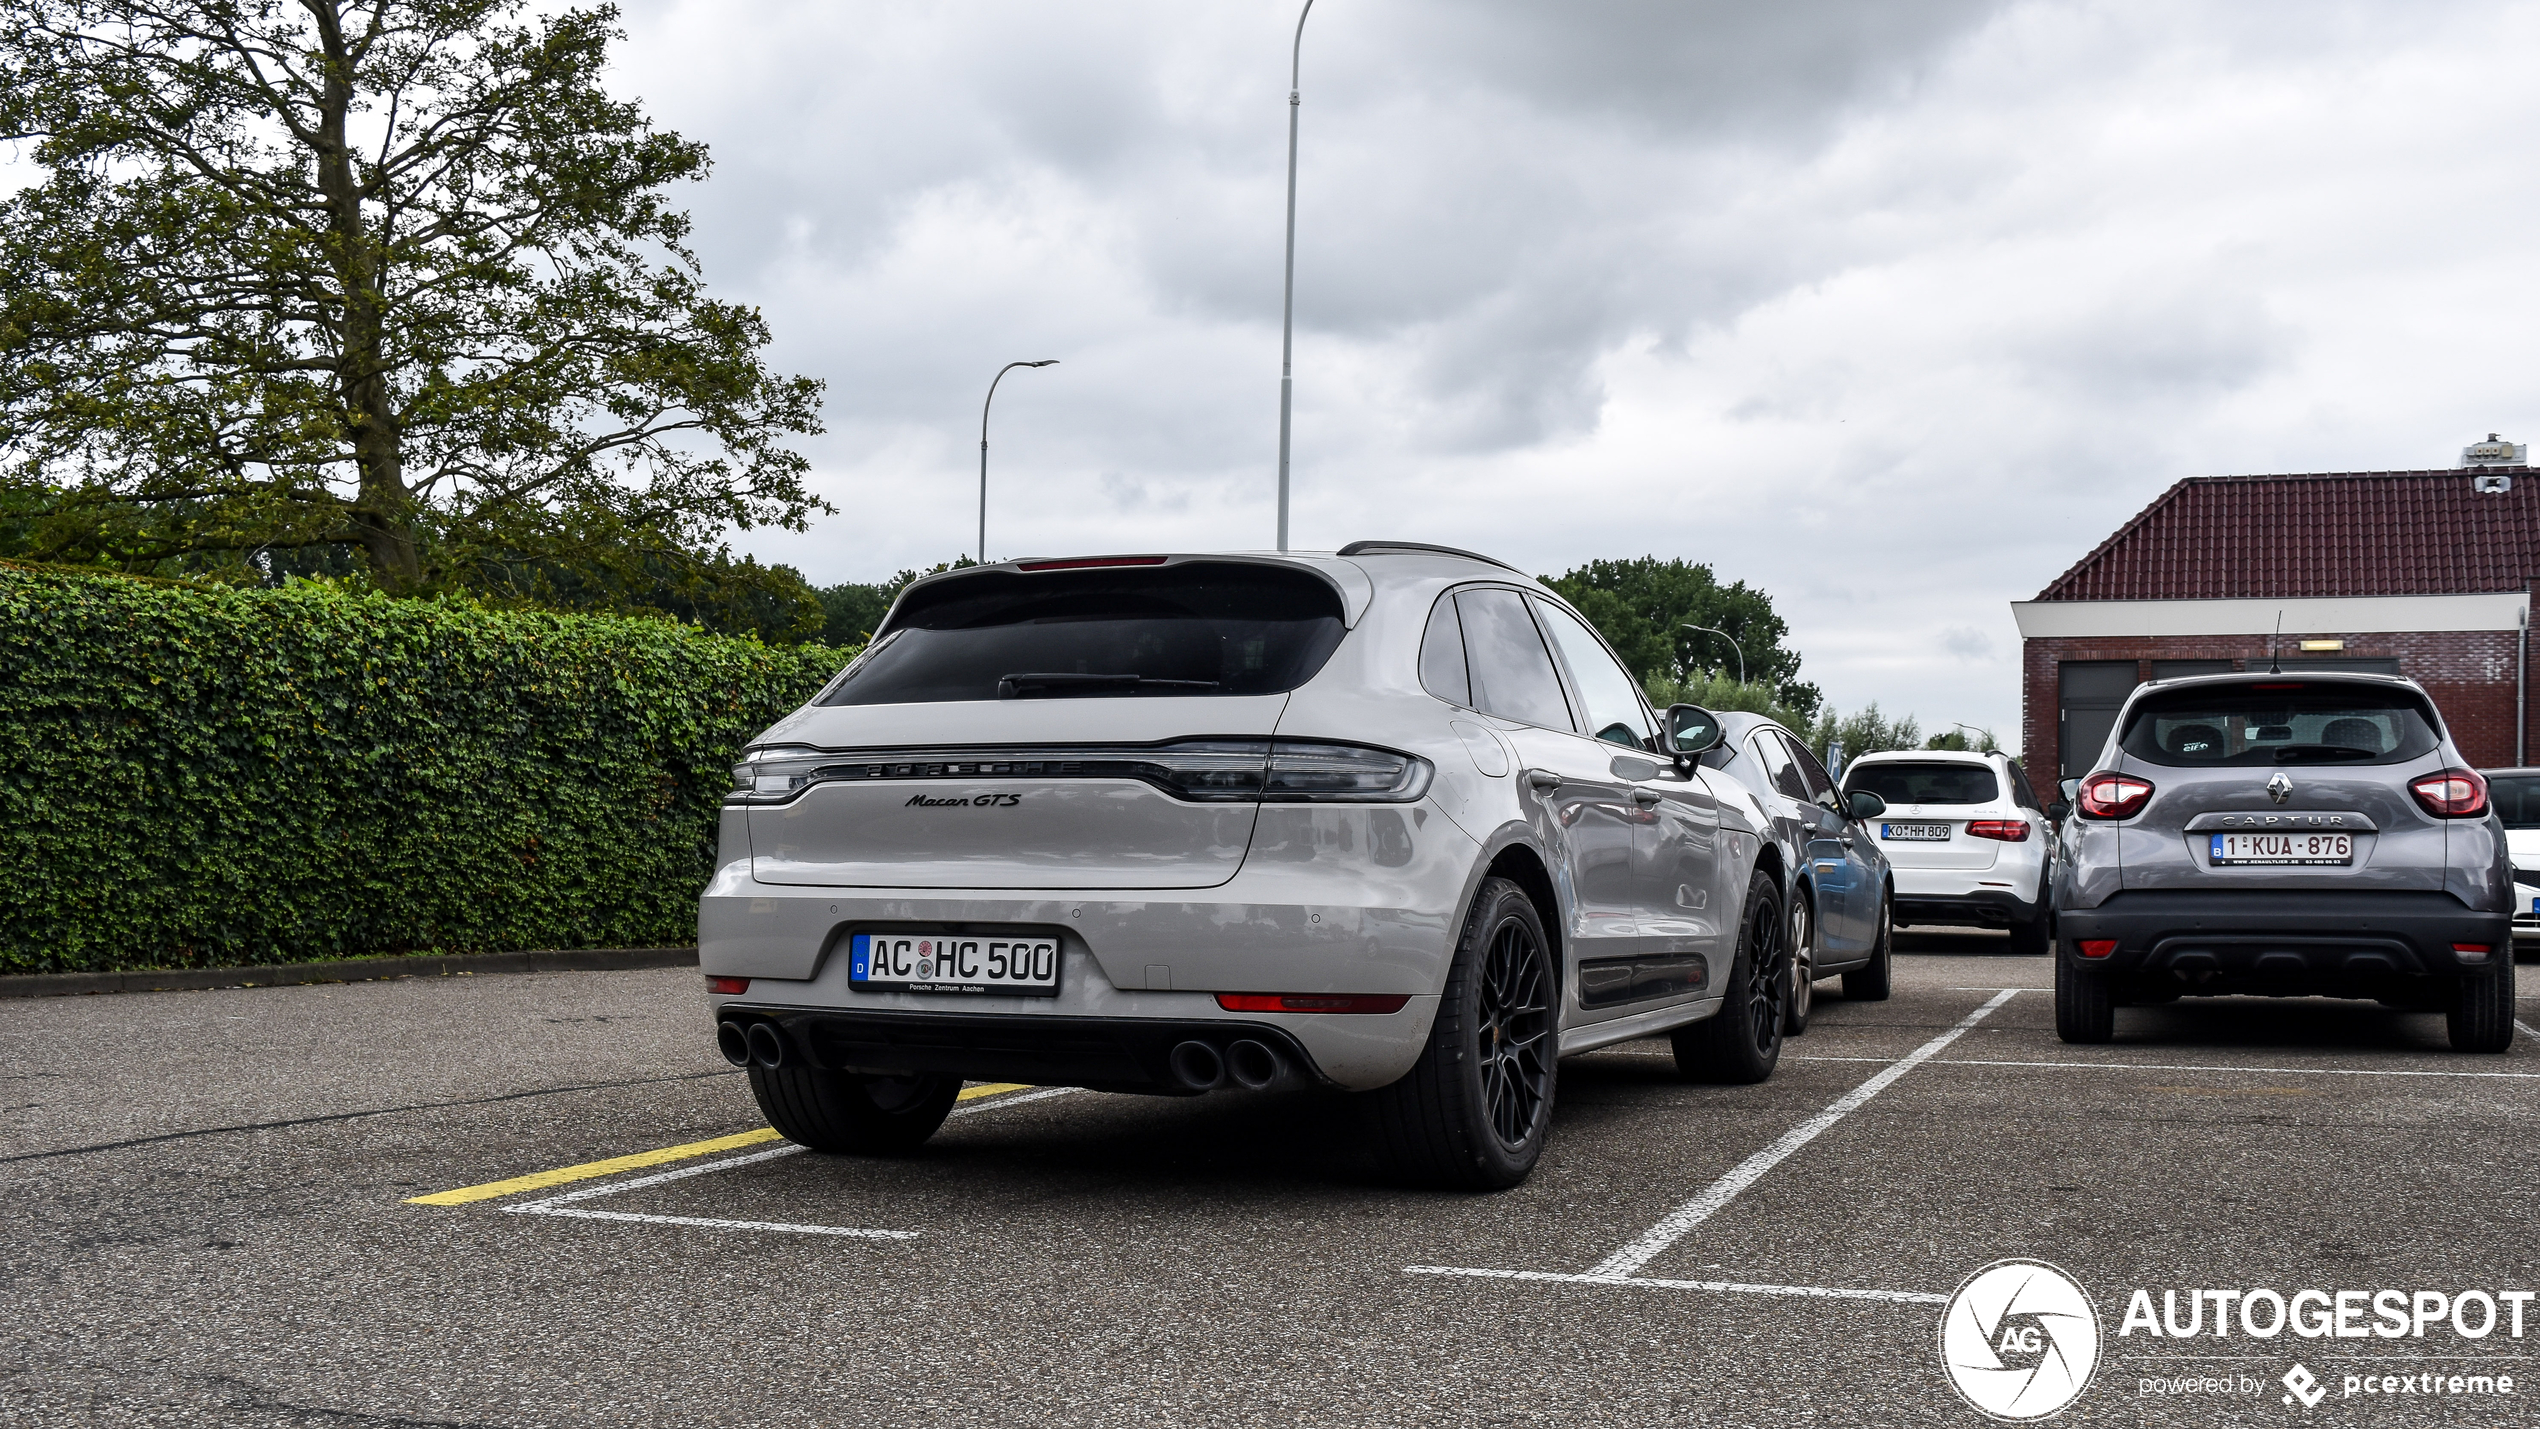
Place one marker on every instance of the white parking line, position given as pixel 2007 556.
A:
pixel 714 1223
pixel 2188 1067
pixel 563 1205
pixel 1680 1221
pixel 2525 1028
pixel 1730 1287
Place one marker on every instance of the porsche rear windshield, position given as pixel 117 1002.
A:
pixel 2279 722
pixel 1194 628
pixel 1939 782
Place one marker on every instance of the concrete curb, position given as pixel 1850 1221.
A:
pixel 351 970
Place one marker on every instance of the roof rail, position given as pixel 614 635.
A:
pixel 1378 548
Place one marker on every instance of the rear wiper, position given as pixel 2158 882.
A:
pixel 1024 686
pixel 2300 753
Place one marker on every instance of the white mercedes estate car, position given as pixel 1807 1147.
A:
pixel 1967 840
pixel 1392 820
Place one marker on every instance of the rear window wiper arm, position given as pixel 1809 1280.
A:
pixel 1022 686
pixel 2297 753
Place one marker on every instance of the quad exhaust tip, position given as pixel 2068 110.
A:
pixel 767 1045
pixel 1197 1066
pixel 1253 1065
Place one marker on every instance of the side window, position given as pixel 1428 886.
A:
pixel 1820 787
pixel 1442 656
pixel 1775 756
pixel 1511 671
pixel 2021 793
pixel 1614 709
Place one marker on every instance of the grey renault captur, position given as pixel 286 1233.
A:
pixel 2285 834
pixel 1392 820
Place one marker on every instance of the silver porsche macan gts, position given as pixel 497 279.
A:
pixel 1392 821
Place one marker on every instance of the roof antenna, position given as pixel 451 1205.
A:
pixel 2275 664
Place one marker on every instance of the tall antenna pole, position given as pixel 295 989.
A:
pixel 1287 299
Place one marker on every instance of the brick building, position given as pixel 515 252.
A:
pixel 2427 574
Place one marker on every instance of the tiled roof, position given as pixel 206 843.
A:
pixel 2339 534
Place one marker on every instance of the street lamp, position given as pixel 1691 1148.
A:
pixel 983 446
pixel 1733 649
pixel 1287 297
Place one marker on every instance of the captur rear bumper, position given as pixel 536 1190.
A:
pixel 2349 944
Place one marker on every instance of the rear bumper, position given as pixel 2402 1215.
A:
pixel 1117 1054
pixel 1981 908
pixel 2354 944
pixel 1994 897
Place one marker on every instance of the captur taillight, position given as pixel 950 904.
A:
pixel 2113 796
pixel 2452 794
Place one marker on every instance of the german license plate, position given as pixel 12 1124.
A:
pixel 1915 833
pixel 2336 850
pixel 953 962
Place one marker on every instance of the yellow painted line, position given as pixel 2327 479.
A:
pixel 539 1180
pixel 589 1170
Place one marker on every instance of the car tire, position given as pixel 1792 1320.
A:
pixel 1742 1042
pixel 849 1114
pixel 2481 1017
pixel 2085 1004
pixel 1870 981
pixel 1803 963
pixel 1474 1111
pixel 2035 936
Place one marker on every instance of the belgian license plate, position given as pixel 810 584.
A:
pixel 2336 850
pixel 953 962
pixel 1915 833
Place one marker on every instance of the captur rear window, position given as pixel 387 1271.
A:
pixel 1192 628
pixel 1939 782
pixel 2278 722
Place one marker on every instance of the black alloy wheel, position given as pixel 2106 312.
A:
pixel 1514 1030
pixel 1742 1042
pixel 1474 1112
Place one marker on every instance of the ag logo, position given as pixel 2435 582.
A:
pixel 2019 1340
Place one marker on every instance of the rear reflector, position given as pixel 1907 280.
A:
pixel 2472 952
pixel 2007 830
pixel 1312 1001
pixel 2098 947
pixel 727 986
pixel 1089 562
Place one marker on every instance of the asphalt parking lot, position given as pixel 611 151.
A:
pixel 212 1197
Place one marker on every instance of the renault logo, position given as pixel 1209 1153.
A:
pixel 2280 788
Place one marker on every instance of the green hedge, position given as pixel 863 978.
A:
pixel 193 777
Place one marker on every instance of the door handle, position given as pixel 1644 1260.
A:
pixel 1846 840
pixel 1646 798
pixel 1543 779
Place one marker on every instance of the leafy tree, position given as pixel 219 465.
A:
pixel 851 611
pixel 392 278
pixel 1643 606
pixel 1720 692
pixel 1957 739
pixel 1864 731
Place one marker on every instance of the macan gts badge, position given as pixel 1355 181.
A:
pixel 1392 821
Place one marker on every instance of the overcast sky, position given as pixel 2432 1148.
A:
pixel 1892 309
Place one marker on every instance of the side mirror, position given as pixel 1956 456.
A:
pixel 2058 811
pixel 2071 790
pixel 1691 730
pixel 1864 804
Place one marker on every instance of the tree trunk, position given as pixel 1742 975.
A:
pixel 383 512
